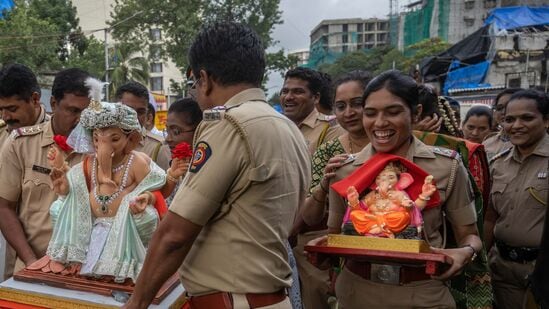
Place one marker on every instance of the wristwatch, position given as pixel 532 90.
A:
pixel 474 256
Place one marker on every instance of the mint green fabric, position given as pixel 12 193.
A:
pixel 124 251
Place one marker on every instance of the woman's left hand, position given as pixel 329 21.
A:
pixel 458 258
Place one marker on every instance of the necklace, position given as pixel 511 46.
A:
pixel 105 200
pixel 119 167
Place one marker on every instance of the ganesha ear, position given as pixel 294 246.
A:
pixel 404 181
pixel 133 140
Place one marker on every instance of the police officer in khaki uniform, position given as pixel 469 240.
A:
pixel 25 186
pixel 19 100
pixel 498 141
pixel 514 219
pixel 390 105
pixel 136 96
pixel 20 105
pixel 249 173
pixel 303 89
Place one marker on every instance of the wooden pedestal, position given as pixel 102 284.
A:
pixel 89 284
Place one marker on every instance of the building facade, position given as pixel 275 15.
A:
pixel 332 38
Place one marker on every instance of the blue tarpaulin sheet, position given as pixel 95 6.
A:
pixel 466 77
pixel 514 17
pixel 5 5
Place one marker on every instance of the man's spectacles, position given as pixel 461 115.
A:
pixel 194 84
pixel 499 108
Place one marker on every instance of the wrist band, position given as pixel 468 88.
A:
pixel 421 197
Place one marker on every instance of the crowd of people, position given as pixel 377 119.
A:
pixel 258 187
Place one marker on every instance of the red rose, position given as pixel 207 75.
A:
pixel 61 141
pixel 182 151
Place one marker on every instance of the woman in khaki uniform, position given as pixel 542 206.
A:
pixel 390 104
pixel 514 218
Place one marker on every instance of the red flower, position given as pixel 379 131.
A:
pixel 182 151
pixel 61 141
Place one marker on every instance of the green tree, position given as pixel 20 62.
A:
pixel 425 48
pixel 62 14
pixel 128 64
pixel 91 60
pixel 369 60
pixel 394 59
pixel 181 19
pixel 27 39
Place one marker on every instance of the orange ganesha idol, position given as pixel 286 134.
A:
pixel 398 192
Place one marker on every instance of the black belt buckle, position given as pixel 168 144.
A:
pixel 387 274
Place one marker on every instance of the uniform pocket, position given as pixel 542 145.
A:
pixel 537 192
pixel 497 191
pixel 37 190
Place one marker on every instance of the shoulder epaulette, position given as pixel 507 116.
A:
pixel 499 155
pixel 445 152
pixel 2 123
pixel 25 131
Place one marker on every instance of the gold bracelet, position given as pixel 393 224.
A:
pixel 171 178
pixel 421 197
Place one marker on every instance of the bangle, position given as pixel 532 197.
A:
pixel 421 197
pixel 322 187
pixel 171 178
pixel 474 251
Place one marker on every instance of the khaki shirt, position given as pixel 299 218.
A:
pixel 4 133
pixel 319 128
pixel 458 202
pixel 24 178
pixel 256 188
pixel 519 195
pixel 151 145
pixel 495 144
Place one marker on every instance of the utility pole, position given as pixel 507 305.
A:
pixel 106 31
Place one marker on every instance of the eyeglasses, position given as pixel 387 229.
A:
pixel 499 108
pixel 355 103
pixel 194 84
pixel 175 131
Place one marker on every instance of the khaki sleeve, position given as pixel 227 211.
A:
pixel 215 173
pixel 460 202
pixel 164 157
pixel 338 206
pixel 333 133
pixel 11 172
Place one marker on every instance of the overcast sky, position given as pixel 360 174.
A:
pixel 301 16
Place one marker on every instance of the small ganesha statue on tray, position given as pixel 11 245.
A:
pixel 396 192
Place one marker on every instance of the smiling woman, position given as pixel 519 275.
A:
pixel 390 104
pixel 518 199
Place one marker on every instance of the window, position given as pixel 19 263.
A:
pixel 345 38
pixel 359 27
pixel 469 4
pixel 469 21
pixel 157 84
pixel 345 28
pixel 156 35
pixel 382 37
pixel 514 83
pixel 154 52
pixel 370 27
pixel 489 4
pixel 368 46
pixel 359 38
pixel 382 26
pixel 344 48
pixel 156 67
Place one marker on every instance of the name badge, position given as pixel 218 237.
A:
pixel 41 169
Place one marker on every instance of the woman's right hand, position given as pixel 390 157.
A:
pixel 331 167
pixel 59 181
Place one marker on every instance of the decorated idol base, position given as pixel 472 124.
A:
pixel 376 250
pixel 102 286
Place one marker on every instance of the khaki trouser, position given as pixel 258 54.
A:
pixel 240 302
pixel 354 291
pixel 315 283
pixel 509 281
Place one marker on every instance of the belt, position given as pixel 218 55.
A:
pixel 224 300
pixel 317 227
pixel 389 274
pixel 517 254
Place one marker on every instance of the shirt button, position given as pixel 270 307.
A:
pixel 506 225
pixel 512 207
